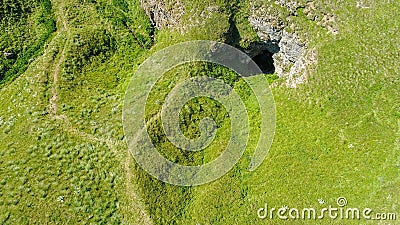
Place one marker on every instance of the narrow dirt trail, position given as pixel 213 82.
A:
pixel 133 203
pixel 62 29
pixel 54 97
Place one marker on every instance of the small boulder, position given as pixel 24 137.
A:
pixel 9 55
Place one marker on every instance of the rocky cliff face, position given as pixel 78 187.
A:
pixel 291 55
pixel 163 13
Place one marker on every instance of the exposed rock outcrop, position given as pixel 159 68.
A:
pixel 9 55
pixel 292 6
pixel 162 13
pixel 291 56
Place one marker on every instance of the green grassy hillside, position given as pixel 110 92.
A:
pixel 25 27
pixel 63 155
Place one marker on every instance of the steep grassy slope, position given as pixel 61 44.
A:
pixel 24 26
pixel 64 160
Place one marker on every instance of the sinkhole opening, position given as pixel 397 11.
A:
pixel 265 61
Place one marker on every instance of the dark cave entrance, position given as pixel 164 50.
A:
pixel 265 61
pixel 260 52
